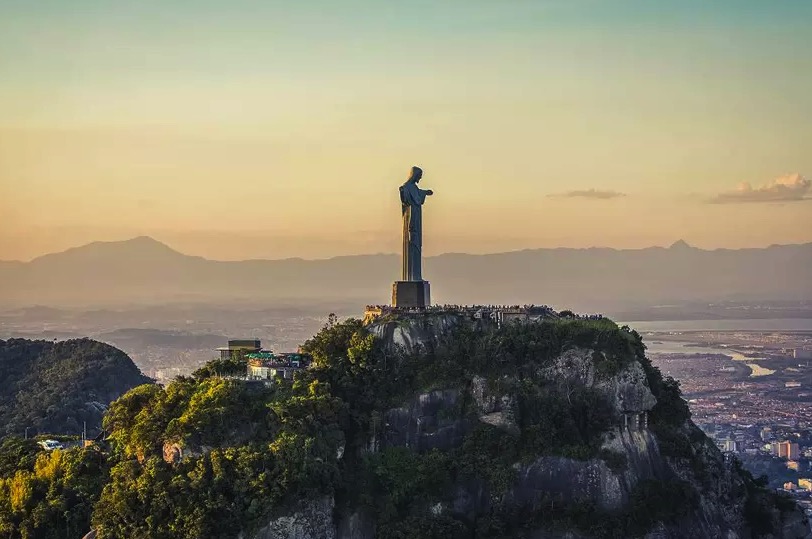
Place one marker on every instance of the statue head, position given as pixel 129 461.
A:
pixel 416 174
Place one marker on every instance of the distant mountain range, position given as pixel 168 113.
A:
pixel 145 271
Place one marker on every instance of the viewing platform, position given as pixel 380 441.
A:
pixel 266 364
pixel 496 313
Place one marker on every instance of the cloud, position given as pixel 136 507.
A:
pixel 789 188
pixel 590 193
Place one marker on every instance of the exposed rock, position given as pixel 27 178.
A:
pixel 630 390
pixel 575 365
pixel 174 452
pixel 471 499
pixel 355 525
pixel 430 420
pixel 569 480
pixel 414 333
pixel 493 408
pixel 308 519
pixel 435 419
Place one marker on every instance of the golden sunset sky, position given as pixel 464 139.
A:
pixel 262 129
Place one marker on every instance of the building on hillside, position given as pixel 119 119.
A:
pixel 731 446
pixel 239 347
pixel 805 484
pixel 790 486
pixel 785 450
pixel 265 365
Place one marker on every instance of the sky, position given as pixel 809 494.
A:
pixel 266 129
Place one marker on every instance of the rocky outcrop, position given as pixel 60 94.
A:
pixel 493 407
pixel 627 390
pixel 415 333
pixel 308 519
pixel 355 525
pixel 429 421
pixel 174 452
pixel 589 481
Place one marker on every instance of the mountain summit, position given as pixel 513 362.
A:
pixel 136 248
pixel 680 244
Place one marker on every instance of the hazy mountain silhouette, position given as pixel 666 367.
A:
pixel 145 271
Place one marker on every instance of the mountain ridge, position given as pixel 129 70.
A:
pixel 146 271
pixel 154 244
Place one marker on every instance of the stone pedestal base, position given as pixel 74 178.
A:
pixel 411 294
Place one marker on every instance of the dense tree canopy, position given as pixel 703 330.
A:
pixel 54 387
pixel 51 494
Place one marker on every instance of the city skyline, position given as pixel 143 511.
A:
pixel 271 130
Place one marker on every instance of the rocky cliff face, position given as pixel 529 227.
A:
pixel 307 519
pixel 420 332
pixel 630 456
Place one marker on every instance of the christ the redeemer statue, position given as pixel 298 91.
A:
pixel 412 199
pixel 412 290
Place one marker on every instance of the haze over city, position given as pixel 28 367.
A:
pixel 274 130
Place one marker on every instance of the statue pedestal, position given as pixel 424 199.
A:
pixel 411 294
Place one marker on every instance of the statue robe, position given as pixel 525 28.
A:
pixel 412 199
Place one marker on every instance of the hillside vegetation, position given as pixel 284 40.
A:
pixel 53 387
pixel 215 457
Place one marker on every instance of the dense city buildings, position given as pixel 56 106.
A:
pixel 750 391
pixel 785 450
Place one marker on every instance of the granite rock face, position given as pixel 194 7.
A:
pixel 355 525
pixel 590 481
pixel 414 334
pixel 428 421
pixel 493 407
pixel 627 390
pixel 174 452
pixel 309 519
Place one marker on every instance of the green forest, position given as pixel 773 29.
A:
pixel 55 387
pixel 208 456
